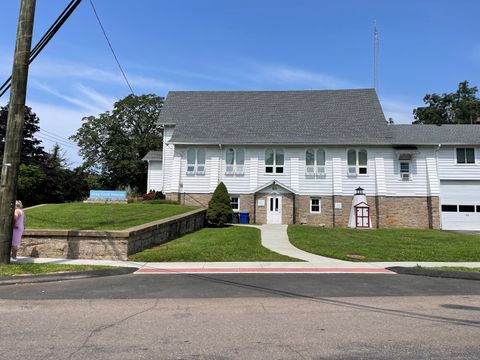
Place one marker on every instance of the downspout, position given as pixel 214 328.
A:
pixel 220 167
pixel 163 161
pixel 148 176
pixel 438 178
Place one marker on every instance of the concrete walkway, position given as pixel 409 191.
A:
pixel 274 238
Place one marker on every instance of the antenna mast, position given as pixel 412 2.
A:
pixel 375 57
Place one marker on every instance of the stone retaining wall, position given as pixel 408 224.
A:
pixel 105 244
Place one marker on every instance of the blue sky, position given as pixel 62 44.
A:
pixel 425 46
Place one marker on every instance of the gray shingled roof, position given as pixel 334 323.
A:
pixel 433 134
pixel 276 117
pixel 153 155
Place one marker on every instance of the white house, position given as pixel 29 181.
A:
pixel 299 156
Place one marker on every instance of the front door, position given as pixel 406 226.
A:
pixel 274 209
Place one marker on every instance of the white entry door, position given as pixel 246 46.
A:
pixel 274 209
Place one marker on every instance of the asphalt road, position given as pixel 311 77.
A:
pixel 273 316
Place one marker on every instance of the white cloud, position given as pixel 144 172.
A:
pixel 87 104
pixel 400 111
pixel 61 70
pixel 62 121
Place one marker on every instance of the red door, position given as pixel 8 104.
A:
pixel 362 217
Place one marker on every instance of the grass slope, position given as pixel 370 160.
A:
pixel 80 216
pixel 386 244
pixel 234 243
pixel 35 269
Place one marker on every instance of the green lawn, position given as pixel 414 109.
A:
pixel 452 268
pixel 35 269
pixel 80 216
pixel 234 243
pixel 386 244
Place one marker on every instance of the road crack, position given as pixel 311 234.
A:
pixel 109 326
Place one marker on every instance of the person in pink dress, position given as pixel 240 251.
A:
pixel 18 226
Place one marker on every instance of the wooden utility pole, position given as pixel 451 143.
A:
pixel 14 135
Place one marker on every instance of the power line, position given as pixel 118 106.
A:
pixel 111 48
pixel 52 139
pixel 57 24
pixel 61 138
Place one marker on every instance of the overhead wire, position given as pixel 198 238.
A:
pixel 111 47
pixel 57 24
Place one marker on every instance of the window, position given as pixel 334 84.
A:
pixel 466 208
pixel 404 163
pixel 478 208
pixel 235 160
pixel 357 162
pixel 274 161
pixel 315 205
pixel 235 203
pixel 449 208
pixel 465 156
pixel 315 162
pixel 195 161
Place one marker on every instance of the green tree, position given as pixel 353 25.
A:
pixel 114 143
pixel 219 212
pixel 460 107
pixel 32 151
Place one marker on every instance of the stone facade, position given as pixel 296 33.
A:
pixel 385 211
pixel 409 212
pixel 108 245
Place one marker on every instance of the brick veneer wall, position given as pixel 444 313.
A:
pixel 108 245
pixel 385 211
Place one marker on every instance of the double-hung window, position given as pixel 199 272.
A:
pixel 315 205
pixel 274 161
pixel 235 203
pixel 315 162
pixel 357 162
pixel 195 161
pixel 234 161
pixel 404 161
pixel 466 155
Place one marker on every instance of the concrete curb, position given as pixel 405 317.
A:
pixel 463 275
pixel 28 279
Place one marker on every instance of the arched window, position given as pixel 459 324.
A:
pixel 240 161
pixel 196 161
pixel 234 160
pixel 357 162
pixel 230 161
pixel 191 161
pixel 320 162
pixel 310 162
pixel 274 161
pixel 362 162
pixel 315 162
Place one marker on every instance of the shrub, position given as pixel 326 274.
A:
pixel 153 195
pixel 219 212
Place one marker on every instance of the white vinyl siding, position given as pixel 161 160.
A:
pixel 155 176
pixel 448 169
pixel 382 168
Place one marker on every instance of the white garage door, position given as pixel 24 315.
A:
pixel 460 205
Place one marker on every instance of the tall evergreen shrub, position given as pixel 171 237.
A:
pixel 219 212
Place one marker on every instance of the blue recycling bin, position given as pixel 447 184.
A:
pixel 244 218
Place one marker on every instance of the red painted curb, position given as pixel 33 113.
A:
pixel 263 270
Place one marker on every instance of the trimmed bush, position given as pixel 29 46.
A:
pixel 219 212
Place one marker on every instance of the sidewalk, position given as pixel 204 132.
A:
pixel 274 238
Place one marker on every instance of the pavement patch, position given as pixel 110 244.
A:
pixel 74 275
pixel 464 275
pixel 259 270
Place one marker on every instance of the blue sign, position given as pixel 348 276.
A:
pixel 108 194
